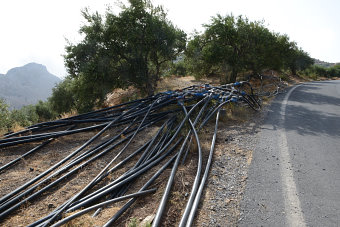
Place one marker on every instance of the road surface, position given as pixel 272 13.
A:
pixel 294 178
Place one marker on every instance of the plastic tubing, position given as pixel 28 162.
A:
pixel 73 216
pixel 148 183
pixel 205 176
pixel 161 206
pixel 197 177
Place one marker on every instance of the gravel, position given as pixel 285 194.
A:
pixel 228 173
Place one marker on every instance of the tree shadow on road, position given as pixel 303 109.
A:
pixel 308 94
pixel 311 122
pixel 301 116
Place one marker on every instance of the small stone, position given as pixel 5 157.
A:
pixel 51 205
pixel 229 138
pixel 31 169
pixel 147 220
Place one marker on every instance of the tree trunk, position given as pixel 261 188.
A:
pixel 293 69
pixel 149 88
pixel 232 77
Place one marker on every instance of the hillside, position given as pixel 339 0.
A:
pixel 27 85
pixel 323 63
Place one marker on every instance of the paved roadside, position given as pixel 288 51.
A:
pixel 294 178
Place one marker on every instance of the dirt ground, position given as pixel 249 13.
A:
pixel 220 201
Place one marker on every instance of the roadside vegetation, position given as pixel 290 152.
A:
pixel 140 45
pixel 316 71
pixel 15 120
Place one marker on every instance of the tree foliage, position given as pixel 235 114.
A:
pixel 131 48
pixel 138 45
pixel 64 97
pixel 298 60
pixel 44 111
pixel 230 45
pixel 5 120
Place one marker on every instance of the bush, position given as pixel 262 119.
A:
pixel 317 71
pixel 178 68
pixel 335 71
pixel 26 116
pixel 62 99
pixel 5 116
pixel 44 111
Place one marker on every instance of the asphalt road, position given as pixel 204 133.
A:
pixel 294 178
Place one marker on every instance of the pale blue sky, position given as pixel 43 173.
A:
pixel 35 30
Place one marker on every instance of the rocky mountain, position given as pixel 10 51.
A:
pixel 27 85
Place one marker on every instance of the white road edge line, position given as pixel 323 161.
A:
pixel 293 210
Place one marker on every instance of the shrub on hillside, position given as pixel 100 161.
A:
pixel 321 71
pixel 26 116
pixel 44 111
pixel 5 119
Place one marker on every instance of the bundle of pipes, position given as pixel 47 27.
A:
pixel 172 110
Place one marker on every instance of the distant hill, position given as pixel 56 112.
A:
pixel 27 85
pixel 323 63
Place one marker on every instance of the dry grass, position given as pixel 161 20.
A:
pixel 119 96
pixel 69 114
pixel 175 82
pixel 2 132
pixel 88 220
pixel 16 127
pixel 234 114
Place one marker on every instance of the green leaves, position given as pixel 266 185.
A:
pixel 321 71
pixel 138 45
pixel 231 45
pixel 5 120
pixel 117 51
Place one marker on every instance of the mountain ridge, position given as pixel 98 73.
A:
pixel 27 85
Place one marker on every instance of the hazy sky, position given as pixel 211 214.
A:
pixel 35 30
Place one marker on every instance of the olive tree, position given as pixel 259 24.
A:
pixel 131 48
pixel 230 45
